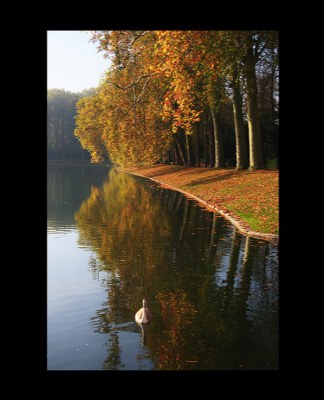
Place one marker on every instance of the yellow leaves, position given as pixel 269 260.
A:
pixel 89 129
pixel 130 122
pixel 129 128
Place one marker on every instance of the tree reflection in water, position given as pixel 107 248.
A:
pixel 213 293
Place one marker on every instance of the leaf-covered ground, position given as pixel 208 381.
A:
pixel 249 196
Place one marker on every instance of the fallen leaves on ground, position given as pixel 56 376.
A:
pixel 252 197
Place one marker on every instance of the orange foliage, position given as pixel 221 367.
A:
pixel 189 61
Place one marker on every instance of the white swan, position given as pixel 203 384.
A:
pixel 143 315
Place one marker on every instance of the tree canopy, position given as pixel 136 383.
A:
pixel 187 97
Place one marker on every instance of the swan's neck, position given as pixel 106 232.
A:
pixel 144 313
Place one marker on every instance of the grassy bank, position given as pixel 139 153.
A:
pixel 250 197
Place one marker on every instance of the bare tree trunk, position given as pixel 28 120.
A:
pixel 180 152
pixel 240 142
pixel 219 156
pixel 188 150
pixel 197 145
pixel 175 155
pixel 273 78
pixel 169 157
pixel 211 145
pixel 255 148
pixel 176 152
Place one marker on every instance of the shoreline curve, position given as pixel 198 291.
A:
pixel 237 223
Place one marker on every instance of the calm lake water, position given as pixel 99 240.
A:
pixel 114 239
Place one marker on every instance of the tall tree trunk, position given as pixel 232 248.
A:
pixel 175 155
pixel 169 157
pixel 255 148
pixel 240 142
pixel 211 144
pixel 188 150
pixel 219 155
pixel 273 71
pixel 197 144
pixel 182 162
pixel 205 130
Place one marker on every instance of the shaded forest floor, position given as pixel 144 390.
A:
pixel 250 197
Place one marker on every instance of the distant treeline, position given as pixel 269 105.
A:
pixel 61 110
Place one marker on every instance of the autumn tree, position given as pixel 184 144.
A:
pixel 89 129
pixel 129 124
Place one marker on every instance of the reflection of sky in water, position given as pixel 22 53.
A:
pixel 133 357
pixel 72 297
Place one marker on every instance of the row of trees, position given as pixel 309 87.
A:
pixel 61 112
pixel 187 97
